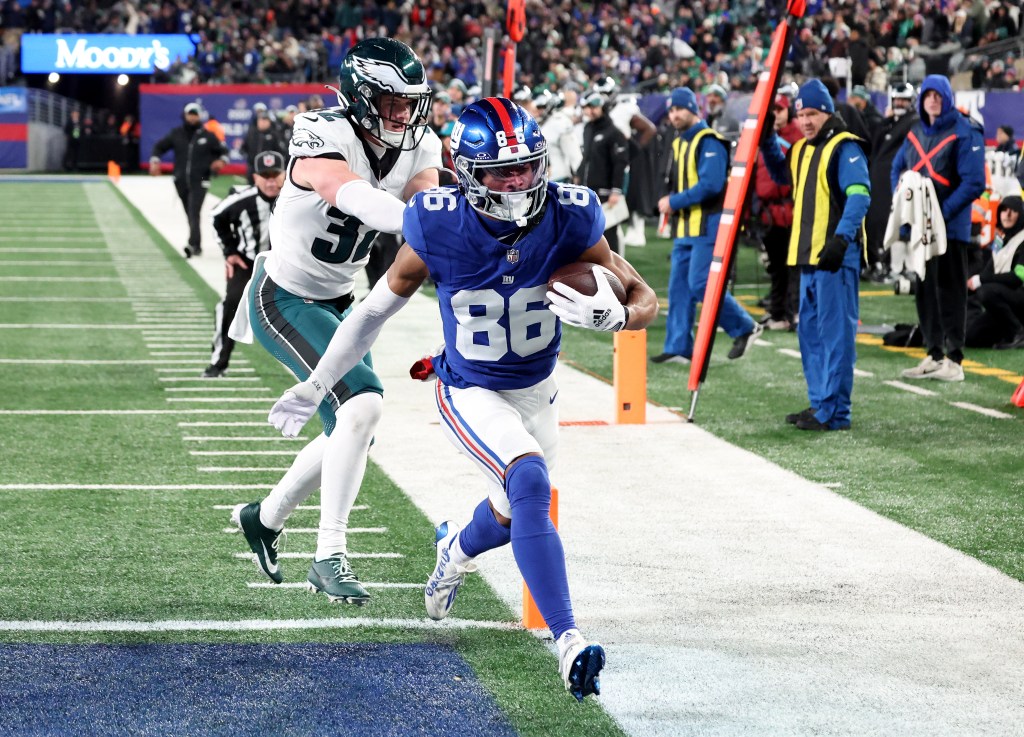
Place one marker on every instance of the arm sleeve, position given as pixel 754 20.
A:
pixel 380 210
pixel 712 166
pixel 775 159
pixel 970 165
pixel 852 171
pixel 162 146
pixel 357 333
pixel 899 163
pixel 224 218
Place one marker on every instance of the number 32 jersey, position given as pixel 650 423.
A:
pixel 498 332
pixel 317 250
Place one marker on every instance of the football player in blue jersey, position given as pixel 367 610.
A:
pixel 490 246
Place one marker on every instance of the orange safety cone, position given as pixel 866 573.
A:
pixel 1018 396
pixel 114 171
pixel 532 620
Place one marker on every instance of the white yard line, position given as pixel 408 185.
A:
pixel 291 453
pixel 309 556
pixel 314 530
pixel 982 410
pixel 241 439
pixel 240 469
pixel 216 388
pixel 135 487
pixel 306 507
pixel 912 388
pixel 789 352
pixel 86 412
pixel 298 585
pixel 255 625
pixel 218 379
pixel 222 424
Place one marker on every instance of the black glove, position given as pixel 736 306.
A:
pixel 831 256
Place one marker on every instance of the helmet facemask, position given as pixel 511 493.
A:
pixel 499 198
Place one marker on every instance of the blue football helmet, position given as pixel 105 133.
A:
pixel 501 160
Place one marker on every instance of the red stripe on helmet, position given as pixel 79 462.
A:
pixel 503 116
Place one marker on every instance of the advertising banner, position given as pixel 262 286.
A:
pixel 13 128
pixel 161 108
pixel 42 53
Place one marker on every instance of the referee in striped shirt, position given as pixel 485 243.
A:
pixel 241 222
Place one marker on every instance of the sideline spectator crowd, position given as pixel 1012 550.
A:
pixel 649 46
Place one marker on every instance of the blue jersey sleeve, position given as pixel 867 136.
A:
pixel 412 230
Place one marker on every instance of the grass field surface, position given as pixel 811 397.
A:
pixel 121 464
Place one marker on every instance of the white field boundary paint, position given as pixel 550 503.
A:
pixel 256 625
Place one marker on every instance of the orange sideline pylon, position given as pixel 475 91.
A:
pixel 531 614
pixel 114 171
pixel 629 369
pixel 1018 395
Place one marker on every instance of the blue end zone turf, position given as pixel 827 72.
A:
pixel 342 689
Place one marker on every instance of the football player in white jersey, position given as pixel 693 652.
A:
pixel 351 171
pixel 490 247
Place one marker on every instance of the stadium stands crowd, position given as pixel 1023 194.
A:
pixel 646 46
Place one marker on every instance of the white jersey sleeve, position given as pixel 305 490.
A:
pixel 317 249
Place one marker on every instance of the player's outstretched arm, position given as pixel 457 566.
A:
pixel 641 301
pixel 350 343
pixel 338 185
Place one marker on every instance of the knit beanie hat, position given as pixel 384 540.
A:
pixel 814 95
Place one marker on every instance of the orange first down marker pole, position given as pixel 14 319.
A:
pixel 532 620
pixel 629 372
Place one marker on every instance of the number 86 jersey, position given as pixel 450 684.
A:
pixel 491 279
pixel 316 249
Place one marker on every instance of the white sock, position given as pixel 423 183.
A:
pixel 301 480
pixel 344 463
pixel 455 552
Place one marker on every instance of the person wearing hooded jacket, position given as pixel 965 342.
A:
pixel 198 153
pixel 831 195
pixel 995 305
pixel 946 147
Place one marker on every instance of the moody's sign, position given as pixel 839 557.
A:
pixel 102 53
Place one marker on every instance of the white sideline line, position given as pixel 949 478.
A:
pixel 164 346
pixel 863 374
pixel 982 410
pixel 262 400
pixel 180 370
pixel 69 279
pixel 219 379
pixel 52 250
pixel 306 507
pixel 243 453
pixel 366 584
pixel 134 487
pixel 192 355
pixel 257 625
pixel 65 299
pixel 314 531
pixel 309 556
pixel 239 469
pixel 910 388
pixel 5 262
pixel 222 424
pixel 216 388
pixel 236 438
pixel 186 411
pixel 104 362
pixel 789 352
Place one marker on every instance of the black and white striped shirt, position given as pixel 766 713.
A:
pixel 241 222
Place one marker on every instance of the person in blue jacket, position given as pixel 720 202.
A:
pixel 948 148
pixel 697 180
pixel 831 195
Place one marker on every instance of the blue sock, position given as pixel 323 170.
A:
pixel 536 544
pixel 483 532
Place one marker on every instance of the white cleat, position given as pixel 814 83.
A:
pixel 580 664
pixel 444 582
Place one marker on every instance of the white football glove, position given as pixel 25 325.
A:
pixel 296 406
pixel 600 312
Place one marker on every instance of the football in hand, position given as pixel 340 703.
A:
pixel 580 276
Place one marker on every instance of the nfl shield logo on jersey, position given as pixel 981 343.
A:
pixel 512 255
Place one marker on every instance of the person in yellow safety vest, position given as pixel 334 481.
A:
pixel 831 196
pixel 697 181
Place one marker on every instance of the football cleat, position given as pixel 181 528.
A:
pixel 263 541
pixel 580 664
pixel 444 582
pixel 335 578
